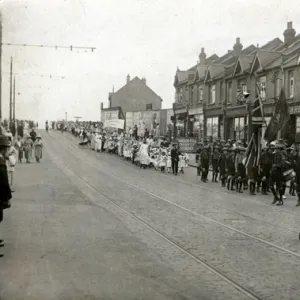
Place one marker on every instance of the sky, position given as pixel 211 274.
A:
pixel 144 38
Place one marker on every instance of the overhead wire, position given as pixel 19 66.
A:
pixel 71 47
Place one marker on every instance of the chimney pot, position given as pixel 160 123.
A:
pixel 128 78
pixel 238 40
pixel 202 57
pixel 237 47
pixel 289 34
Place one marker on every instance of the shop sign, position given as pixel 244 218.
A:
pixel 187 144
pixel 196 111
pixel 180 111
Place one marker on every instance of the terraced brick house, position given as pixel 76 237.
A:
pixel 221 82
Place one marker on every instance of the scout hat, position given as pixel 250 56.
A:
pixel 4 141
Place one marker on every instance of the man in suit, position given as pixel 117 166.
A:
pixel 175 159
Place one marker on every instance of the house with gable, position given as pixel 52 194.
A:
pixel 223 80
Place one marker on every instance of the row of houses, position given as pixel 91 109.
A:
pixel 207 95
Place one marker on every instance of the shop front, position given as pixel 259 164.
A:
pixel 214 123
pixel 195 124
pixel 180 120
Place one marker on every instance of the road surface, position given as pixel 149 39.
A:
pixel 86 225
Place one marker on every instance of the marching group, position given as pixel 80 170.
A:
pixel 12 150
pixel 226 160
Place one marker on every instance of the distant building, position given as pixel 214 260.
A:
pixel 135 95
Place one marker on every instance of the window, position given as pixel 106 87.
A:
pixel 262 86
pixel 212 94
pixel 192 94
pixel 277 87
pixel 200 96
pixel 221 91
pixel 291 84
pixel 149 106
pixel 239 128
pixel 186 94
pixel 181 95
pixel 212 126
pixel 229 94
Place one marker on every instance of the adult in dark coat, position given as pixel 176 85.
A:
pixel 5 194
pixel 33 135
pixel 175 159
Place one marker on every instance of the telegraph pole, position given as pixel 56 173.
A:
pixel 0 70
pixel 10 92
pixel 14 100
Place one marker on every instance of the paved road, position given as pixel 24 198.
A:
pixel 88 225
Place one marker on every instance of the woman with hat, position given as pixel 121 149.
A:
pixel 38 148
pixel 5 194
pixel 28 144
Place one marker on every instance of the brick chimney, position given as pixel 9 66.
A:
pixel 289 34
pixel 128 78
pixel 202 57
pixel 144 80
pixel 237 48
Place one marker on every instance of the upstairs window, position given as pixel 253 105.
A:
pixel 192 94
pixel 181 95
pixel 277 87
pixel 291 84
pixel 200 96
pixel 149 106
pixel 262 85
pixel 186 94
pixel 221 91
pixel 212 94
pixel 229 93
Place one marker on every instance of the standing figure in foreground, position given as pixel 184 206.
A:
pixel 19 145
pixel 28 144
pixel 10 164
pixel 38 148
pixel 175 159
pixel 5 194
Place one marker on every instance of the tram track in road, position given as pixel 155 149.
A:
pixel 157 232
pixel 192 212
pixel 203 187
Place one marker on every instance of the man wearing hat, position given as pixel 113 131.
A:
pixel 297 166
pixel 5 194
pixel 222 165
pixel 277 176
pixel 198 161
pixel 204 158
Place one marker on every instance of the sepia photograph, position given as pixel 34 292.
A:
pixel 149 150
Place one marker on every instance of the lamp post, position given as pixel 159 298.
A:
pixel 249 110
pixel 224 120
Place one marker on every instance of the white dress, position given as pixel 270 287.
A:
pixel 143 155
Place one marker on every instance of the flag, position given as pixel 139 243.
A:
pixel 258 117
pixel 279 119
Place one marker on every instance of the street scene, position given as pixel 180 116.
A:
pixel 140 164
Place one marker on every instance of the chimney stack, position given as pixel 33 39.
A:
pixel 144 80
pixel 289 34
pixel 128 78
pixel 202 57
pixel 237 48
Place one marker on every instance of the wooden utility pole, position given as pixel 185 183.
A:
pixel 14 100
pixel 10 92
pixel 0 70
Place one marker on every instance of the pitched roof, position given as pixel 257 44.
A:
pixel 208 60
pixel 213 70
pixel 264 58
pixel 244 63
pixel 271 45
pixel 201 71
pixel 292 61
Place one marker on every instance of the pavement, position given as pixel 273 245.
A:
pixel 86 225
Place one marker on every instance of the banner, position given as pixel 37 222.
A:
pixel 118 123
